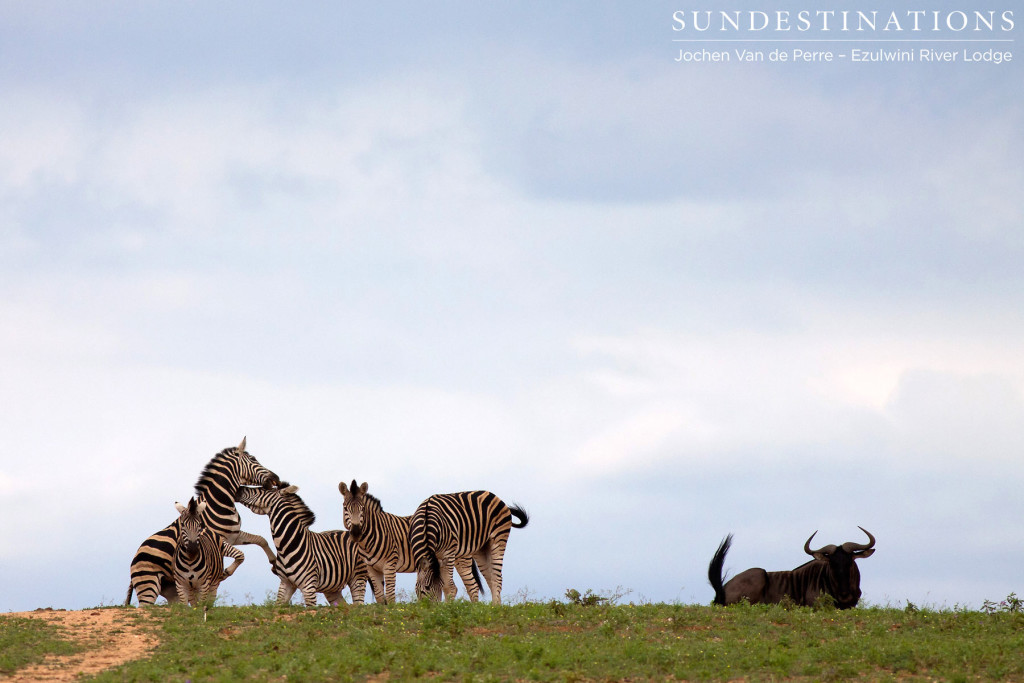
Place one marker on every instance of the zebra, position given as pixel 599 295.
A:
pixel 310 561
pixel 232 468
pixel 198 558
pixel 449 526
pixel 384 539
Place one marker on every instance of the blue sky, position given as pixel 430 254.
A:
pixel 513 248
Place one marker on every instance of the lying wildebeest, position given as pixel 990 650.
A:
pixel 832 571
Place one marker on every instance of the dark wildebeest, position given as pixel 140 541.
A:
pixel 832 571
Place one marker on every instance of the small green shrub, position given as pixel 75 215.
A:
pixel 587 599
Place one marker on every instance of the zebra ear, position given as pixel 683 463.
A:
pixel 241 446
pixel 291 489
pixel 364 488
pixel 201 508
pixel 179 507
pixel 343 489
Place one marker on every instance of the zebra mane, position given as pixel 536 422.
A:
pixel 295 506
pixel 212 471
pixel 370 498
pixel 367 496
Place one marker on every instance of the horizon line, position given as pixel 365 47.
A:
pixel 842 40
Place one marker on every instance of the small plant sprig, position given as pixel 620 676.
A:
pixel 591 598
pixel 588 599
pixel 1011 604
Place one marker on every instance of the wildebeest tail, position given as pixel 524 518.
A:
pixel 520 514
pixel 715 570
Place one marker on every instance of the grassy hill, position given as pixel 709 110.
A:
pixel 582 639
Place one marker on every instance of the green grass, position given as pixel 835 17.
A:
pixel 559 641
pixel 28 641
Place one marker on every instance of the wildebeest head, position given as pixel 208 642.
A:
pixel 842 576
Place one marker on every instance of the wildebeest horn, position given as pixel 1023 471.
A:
pixel 852 547
pixel 826 549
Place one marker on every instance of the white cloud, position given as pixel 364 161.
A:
pixel 43 140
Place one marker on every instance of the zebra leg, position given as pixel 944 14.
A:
pixel 484 562
pixel 235 554
pixel 376 579
pixel 168 590
pixel 334 598
pixel 182 590
pixel 496 557
pixel 208 593
pixel 147 589
pixel 465 569
pixel 448 580
pixel 309 594
pixel 285 591
pixel 389 584
pixel 150 583
pixel 357 586
pixel 245 538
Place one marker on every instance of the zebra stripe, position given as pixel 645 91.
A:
pixel 198 560
pixel 450 526
pixel 310 561
pixel 232 468
pixel 384 539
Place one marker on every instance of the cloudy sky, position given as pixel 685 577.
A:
pixel 451 246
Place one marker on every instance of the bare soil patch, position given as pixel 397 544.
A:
pixel 111 636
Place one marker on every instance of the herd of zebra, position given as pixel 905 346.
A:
pixel 184 561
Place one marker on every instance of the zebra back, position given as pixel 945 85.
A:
pixel 315 562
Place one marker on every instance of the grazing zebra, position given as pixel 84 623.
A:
pixel 449 526
pixel 199 557
pixel 310 561
pixel 384 540
pixel 232 468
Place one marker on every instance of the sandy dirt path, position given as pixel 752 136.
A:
pixel 112 636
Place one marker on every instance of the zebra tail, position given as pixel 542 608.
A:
pixel 128 600
pixel 520 514
pixel 476 577
pixel 715 570
pixel 434 564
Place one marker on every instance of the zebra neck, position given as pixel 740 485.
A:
pixel 218 490
pixel 285 524
pixel 376 521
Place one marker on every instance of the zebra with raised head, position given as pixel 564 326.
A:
pixel 450 526
pixel 384 539
pixel 310 561
pixel 198 558
pixel 218 484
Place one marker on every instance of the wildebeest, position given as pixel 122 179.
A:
pixel 833 571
